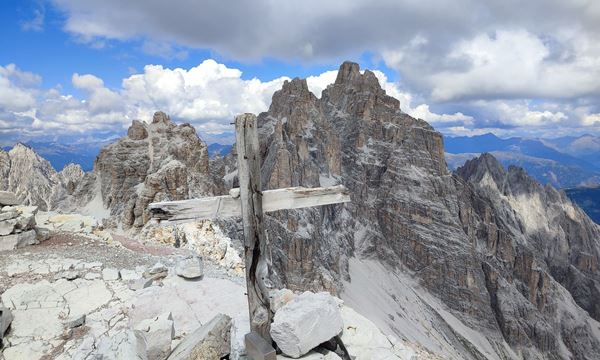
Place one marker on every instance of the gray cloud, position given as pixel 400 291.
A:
pixel 426 41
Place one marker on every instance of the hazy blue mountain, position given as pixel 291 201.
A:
pixel 218 149
pixel 542 158
pixel 588 198
pixel 585 147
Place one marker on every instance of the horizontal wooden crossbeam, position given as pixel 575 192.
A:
pixel 229 205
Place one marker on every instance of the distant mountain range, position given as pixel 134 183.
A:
pixel 565 162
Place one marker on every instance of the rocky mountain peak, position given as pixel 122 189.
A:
pixel 21 148
pixel 157 161
pixel 31 177
pixel 358 94
pixel 161 118
pixel 137 130
pixel 475 169
pixel 348 72
pixel 293 96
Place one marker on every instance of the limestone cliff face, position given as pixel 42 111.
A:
pixel 522 280
pixel 542 256
pixel 154 162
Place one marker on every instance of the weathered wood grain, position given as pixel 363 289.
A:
pixel 227 206
pixel 256 251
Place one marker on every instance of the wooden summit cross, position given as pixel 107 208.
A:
pixel 250 202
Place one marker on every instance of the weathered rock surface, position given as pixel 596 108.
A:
pixel 8 198
pixel 158 333
pixel 155 162
pixel 305 322
pixel 124 344
pixel 208 342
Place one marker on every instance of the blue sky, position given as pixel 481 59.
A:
pixel 82 70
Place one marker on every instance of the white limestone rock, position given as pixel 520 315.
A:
pixel 8 198
pixel 305 322
pixel 125 344
pixel 110 274
pixel 9 214
pixel 192 303
pixel 210 341
pixel 190 267
pixel 15 241
pixel 7 227
pixel 158 333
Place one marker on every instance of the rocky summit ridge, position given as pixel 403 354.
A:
pixel 483 263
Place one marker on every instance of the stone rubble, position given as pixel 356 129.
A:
pixel 18 225
pixel 305 322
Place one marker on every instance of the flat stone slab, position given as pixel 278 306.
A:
pixel 305 322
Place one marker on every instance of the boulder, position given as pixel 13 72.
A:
pixel 15 241
pixel 158 333
pixel 8 198
pixel 157 272
pixel 305 322
pixel 190 267
pixel 7 227
pixel 210 341
pixel 280 297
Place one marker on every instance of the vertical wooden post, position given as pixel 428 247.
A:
pixel 255 245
